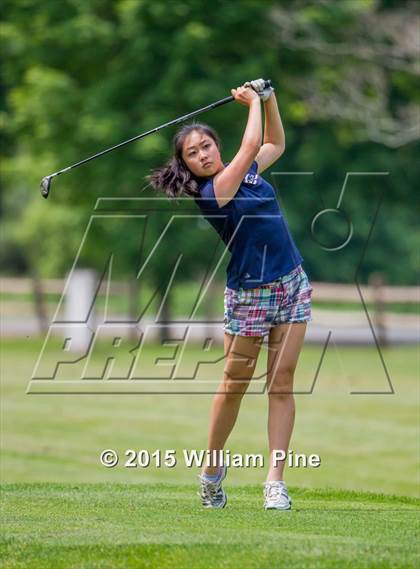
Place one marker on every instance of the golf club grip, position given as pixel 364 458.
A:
pixel 267 84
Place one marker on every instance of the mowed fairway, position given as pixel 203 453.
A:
pixel 366 441
pixel 160 526
pixel 61 508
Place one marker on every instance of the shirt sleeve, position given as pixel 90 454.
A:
pixel 207 190
pixel 209 197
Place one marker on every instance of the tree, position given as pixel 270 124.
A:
pixel 82 76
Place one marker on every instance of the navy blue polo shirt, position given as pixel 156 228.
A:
pixel 253 227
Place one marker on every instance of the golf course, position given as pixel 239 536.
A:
pixel 62 508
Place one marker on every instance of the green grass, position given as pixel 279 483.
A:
pixel 163 526
pixel 61 508
pixel 366 442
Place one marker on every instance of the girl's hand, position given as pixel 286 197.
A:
pixel 259 87
pixel 245 95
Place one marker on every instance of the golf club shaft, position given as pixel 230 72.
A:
pixel 46 181
pixel 139 136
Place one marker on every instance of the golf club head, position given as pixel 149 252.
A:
pixel 45 186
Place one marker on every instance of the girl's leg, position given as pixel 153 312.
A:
pixel 285 343
pixel 241 353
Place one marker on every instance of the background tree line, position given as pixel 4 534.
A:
pixel 81 76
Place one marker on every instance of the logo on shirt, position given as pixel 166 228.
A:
pixel 251 179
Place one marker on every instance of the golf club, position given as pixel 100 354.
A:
pixel 46 181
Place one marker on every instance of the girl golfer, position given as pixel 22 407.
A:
pixel 267 294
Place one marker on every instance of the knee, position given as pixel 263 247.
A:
pixel 236 379
pixel 281 397
pixel 280 384
pixel 234 387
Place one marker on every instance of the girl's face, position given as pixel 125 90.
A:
pixel 201 154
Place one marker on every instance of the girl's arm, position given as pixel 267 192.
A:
pixel 227 182
pixel 274 139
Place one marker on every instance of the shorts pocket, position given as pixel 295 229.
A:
pixel 299 290
pixel 304 292
pixel 230 301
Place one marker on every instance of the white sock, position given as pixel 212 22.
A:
pixel 213 477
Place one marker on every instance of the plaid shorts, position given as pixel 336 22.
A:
pixel 253 311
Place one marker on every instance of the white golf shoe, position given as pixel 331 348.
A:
pixel 276 496
pixel 211 493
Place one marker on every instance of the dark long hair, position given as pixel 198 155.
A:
pixel 174 178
